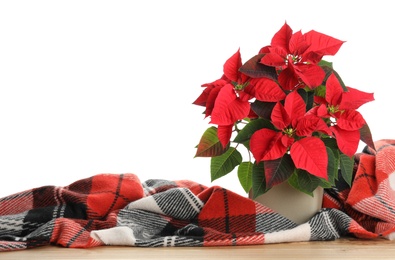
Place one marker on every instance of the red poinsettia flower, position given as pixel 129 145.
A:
pixel 294 134
pixel 209 95
pixel 227 99
pixel 341 106
pixel 231 103
pixel 269 96
pixel 296 56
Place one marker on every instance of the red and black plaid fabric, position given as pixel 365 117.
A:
pixel 118 209
pixel 370 202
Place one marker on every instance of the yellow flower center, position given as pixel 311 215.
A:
pixel 289 131
pixel 333 109
pixel 293 58
pixel 240 87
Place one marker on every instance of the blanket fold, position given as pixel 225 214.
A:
pixel 118 209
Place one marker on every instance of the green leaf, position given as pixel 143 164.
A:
pixel 320 91
pixel 346 168
pixel 263 109
pixel 247 144
pixel 209 145
pixel 258 180
pixel 331 143
pixel 324 63
pixel 340 80
pixel 278 171
pixel 250 128
pixel 244 172
pixel 304 182
pixel 308 97
pixel 333 166
pixel 254 69
pixel 325 184
pixel 225 163
pixel 366 136
pixel 328 69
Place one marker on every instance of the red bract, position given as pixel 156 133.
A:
pixel 341 106
pixel 268 90
pixel 225 99
pixel 231 103
pixel 296 56
pixel 229 107
pixel 224 134
pixel 209 95
pixel 294 134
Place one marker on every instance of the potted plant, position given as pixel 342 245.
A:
pixel 290 113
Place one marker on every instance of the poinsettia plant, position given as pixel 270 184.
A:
pixel 290 110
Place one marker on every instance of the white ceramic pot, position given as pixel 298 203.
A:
pixel 291 203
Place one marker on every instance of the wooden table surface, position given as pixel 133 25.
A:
pixel 334 250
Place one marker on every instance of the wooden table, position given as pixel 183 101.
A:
pixel 334 250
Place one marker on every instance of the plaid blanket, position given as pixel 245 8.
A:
pixel 118 209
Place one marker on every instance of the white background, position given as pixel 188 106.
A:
pixel 90 87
